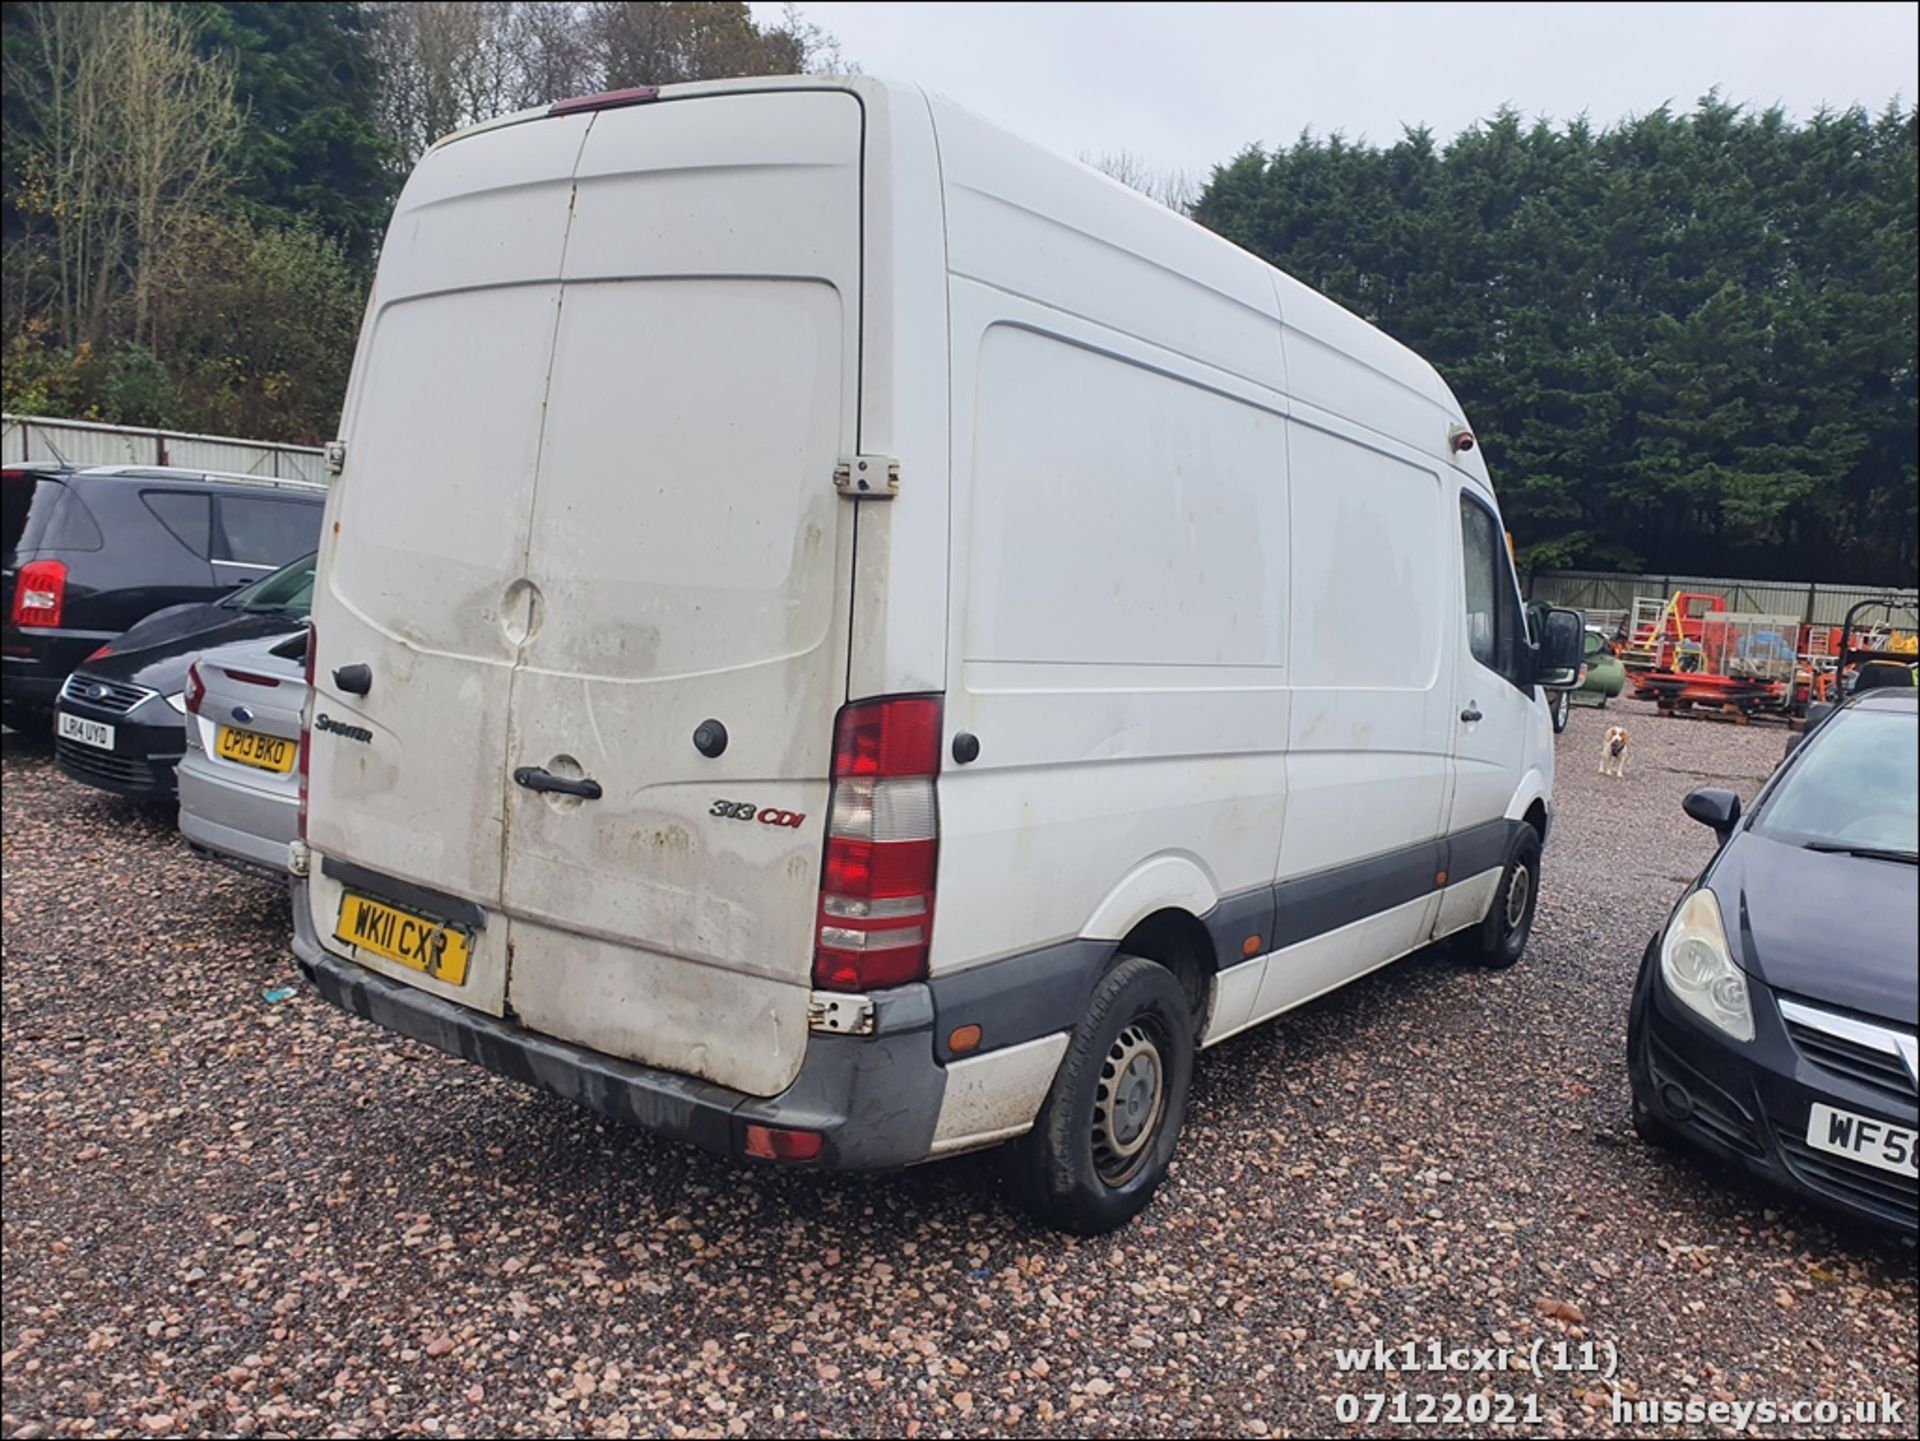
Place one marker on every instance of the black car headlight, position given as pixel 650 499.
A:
pixel 1698 967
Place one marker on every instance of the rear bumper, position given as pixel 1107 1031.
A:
pixel 874 1099
pixel 246 823
pixel 35 662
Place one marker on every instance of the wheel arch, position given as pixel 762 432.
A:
pixel 1531 802
pixel 1181 942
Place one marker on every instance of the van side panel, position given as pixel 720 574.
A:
pixel 1119 614
pixel 1128 700
pixel 1340 722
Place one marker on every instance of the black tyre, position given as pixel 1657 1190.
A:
pixel 1558 708
pixel 1105 1135
pixel 1501 939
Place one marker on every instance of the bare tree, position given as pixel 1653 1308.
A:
pixel 662 42
pixel 180 124
pixel 556 52
pixel 132 134
pixel 819 47
pixel 1176 189
pixel 451 63
pixel 444 64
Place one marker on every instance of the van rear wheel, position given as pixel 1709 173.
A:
pixel 1106 1134
pixel 1501 939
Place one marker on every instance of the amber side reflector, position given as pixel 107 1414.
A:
pixel 964 1038
pixel 776 1143
pixel 1440 878
pixel 1250 946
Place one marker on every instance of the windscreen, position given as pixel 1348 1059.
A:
pixel 1856 787
pixel 288 590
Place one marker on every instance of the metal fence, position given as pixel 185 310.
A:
pixel 84 442
pixel 1811 601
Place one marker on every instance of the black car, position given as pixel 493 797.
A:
pixel 120 722
pixel 1773 1023
pixel 87 553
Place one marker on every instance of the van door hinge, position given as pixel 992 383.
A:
pixel 335 456
pixel 871 477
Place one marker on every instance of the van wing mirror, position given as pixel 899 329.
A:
pixel 1560 649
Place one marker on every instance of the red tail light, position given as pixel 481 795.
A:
pixel 876 886
pixel 40 593
pixel 306 724
pixel 196 688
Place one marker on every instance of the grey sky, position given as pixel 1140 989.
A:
pixel 1187 85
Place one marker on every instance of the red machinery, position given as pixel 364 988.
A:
pixel 1664 634
pixel 1736 663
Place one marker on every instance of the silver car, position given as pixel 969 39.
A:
pixel 240 776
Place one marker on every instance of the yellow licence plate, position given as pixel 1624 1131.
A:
pixel 441 951
pixel 250 748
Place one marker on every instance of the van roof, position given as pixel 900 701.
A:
pixel 1153 227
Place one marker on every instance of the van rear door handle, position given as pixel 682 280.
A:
pixel 539 778
pixel 1470 714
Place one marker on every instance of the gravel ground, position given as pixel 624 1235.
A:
pixel 225 1213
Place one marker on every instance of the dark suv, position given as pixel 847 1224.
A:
pixel 87 553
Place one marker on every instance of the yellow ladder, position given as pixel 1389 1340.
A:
pixel 1652 618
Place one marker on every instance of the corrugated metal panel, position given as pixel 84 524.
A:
pixel 1807 600
pixel 32 437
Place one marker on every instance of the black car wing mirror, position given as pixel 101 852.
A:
pixel 1713 807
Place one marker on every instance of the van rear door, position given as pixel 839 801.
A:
pixel 421 575
pixel 691 564
pixel 588 507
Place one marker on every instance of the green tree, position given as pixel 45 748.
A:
pixel 1687 342
pixel 312 149
pixel 125 135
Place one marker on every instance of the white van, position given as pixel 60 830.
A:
pixel 844 638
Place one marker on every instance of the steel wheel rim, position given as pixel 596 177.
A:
pixel 1519 893
pixel 1129 1100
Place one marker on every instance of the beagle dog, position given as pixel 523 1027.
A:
pixel 1613 752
